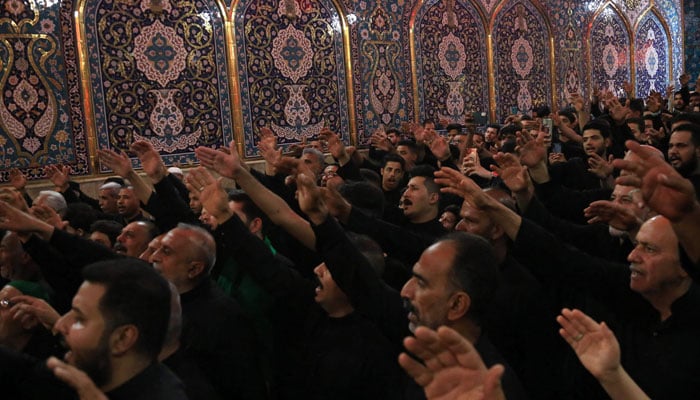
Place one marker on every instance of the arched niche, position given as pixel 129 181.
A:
pixel 652 55
pixel 609 41
pixel 522 57
pixel 450 66
pixel 292 70
pixel 157 71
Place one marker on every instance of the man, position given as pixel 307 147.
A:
pixel 134 238
pixel 53 200
pixel 420 202
pixel 14 334
pixel 491 137
pixel 313 159
pixel 224 347
pixel 15 262
pixel 107 196
pixel 114 333
pixel 408 150
pixel 684 153
pixel 129 206
pixel 652 304
pixel 392 172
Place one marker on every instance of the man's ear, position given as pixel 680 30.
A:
pixel 433 198
pixel 195 269
pixel 459 304
pixel 255 226
pixel 122 339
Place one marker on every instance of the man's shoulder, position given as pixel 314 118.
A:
pixel 156 382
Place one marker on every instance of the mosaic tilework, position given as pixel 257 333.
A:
pixel 671 12
pixel 381 73
pixel 632 9
pixel 610 47
pixel 692 37
pixel 651 53
pixel 158 74
pixel 293 73
pixel 451 64
pixel 40 113
pixel 521 55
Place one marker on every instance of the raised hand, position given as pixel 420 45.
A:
pixel 117 162
pixel 613 214
pixel 599 166
pixel 513 174
pixel 594 344
pixel 212 195
pixel 75 378
pixel 269 149
pixel 48 215
pixel 311 199
pixel 451 368
pixel 471 165
pixel 29 308
pixel 225 163
pixel 335 146
pixel 456 183
pixel 532 151
pixel 58 175
pixel 380 141
pixel 664 190
pixel 13 219
pixel 17 179
pixel 151 161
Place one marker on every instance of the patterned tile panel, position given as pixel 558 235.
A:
pixel 651 53
pixel 292 70
pixel 41 120
pixel 521 56
pixel 610 52
pixel 158 72
pixel 451 62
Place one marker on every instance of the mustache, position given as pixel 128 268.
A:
pixel 408 306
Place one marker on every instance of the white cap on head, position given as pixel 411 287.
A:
pixel 175 170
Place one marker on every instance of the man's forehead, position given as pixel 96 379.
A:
pixel 88 297
pixel 137 227
pixel 591 132
pixel 8 292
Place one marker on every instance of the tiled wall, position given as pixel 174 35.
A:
pixel 196 72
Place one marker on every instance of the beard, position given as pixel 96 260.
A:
pixel 96 363
pixel 688 168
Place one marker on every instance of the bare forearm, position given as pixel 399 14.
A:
pixel 688 230
pixel 622 387
pixel 142 189
pixel 276 209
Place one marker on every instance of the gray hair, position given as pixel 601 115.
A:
pixel 54 200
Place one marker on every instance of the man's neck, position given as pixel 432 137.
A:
pixel 423 218
pixel 468 329
pixel 124 369
pixel 663 300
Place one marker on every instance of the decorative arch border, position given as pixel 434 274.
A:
pixel 479 8
pixel 492 73
pixel 669 41
pixel 237 108
pixel 589 47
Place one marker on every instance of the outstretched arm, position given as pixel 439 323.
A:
pixel 665 191
pixel 229 164
pixel 121 165
pixel 451 368
pixel 598 350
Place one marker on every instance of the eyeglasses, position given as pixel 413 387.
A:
pixel 6 303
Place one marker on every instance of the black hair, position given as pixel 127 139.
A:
pixel 135 294
pixel 80 216
pixel 365 196
pixel 474 270
pixel 599 124
pixel 393 157
pixel 109 227
pixel 427 172
pixel 694 130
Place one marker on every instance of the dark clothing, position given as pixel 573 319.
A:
pixel 403 243
pixel 196 385
pixel 593 239
pixel 663 357
pixel 326 357
pixel 381 304
pixel 218 337
pixel 574 174
pixel 567 203
pixel 156 382
pixel 23 377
